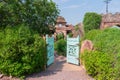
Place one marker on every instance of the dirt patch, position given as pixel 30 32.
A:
pixel 3 77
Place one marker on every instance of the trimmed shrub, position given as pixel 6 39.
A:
pixel 70 34
pixel 22 51
pixel 91 21
pixel 99 65
pixel 106 43
pixel 60 47
pixel 60 36
pixel 91 34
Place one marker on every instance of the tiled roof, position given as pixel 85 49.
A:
pixel 61 19
pixel 111 17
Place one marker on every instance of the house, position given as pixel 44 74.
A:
pixel 109 20
pixel 62 27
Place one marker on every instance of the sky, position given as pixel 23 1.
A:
pixel 74 10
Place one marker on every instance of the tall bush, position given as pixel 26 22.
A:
pixel 60 47
pixel 91 21
pixel 99 65
pixel 92 34
pixel 60 36
pixel 22 51
pixel 106 43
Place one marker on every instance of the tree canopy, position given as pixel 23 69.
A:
pixel 91 21
pixel 39 15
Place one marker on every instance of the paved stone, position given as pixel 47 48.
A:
pixel 61 70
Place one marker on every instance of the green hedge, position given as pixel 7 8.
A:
pixel 60 47
pixel 70 34
pixel 60 36
pixel 104 62
pixel 91 21
pixel 99 65
pixel 92 34
pixel 22 51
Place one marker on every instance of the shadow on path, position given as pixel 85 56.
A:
pixel 60 70
pixel 53 69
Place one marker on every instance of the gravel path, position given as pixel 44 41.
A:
pixel 61 70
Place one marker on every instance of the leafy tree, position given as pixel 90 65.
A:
pixel 91 21
pixel 39 15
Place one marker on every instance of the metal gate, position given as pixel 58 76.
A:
pixel 73 50
pixel 50 49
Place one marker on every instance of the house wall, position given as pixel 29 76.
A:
pixel 108 24
pixel 109 20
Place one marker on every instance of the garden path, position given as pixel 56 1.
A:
pixel 61 70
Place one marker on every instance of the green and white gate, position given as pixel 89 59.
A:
pixel 50 49
pixel 73 50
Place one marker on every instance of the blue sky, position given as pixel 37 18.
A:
pixel 73 10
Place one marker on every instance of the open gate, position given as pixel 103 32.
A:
pixel 73 50
pixel 50 49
